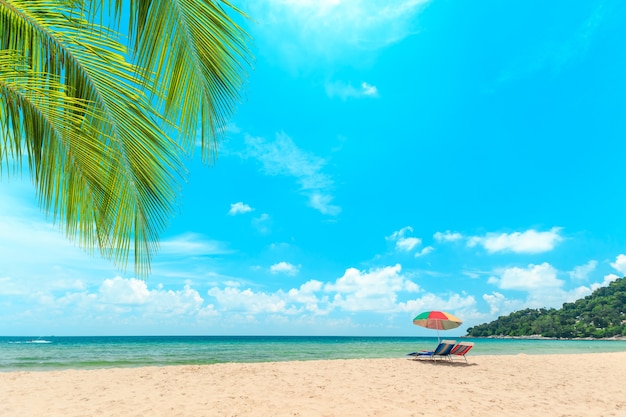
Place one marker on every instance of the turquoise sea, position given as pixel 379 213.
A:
pixel 48 353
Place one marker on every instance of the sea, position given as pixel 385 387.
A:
pixel 95 352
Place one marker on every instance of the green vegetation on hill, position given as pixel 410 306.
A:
pixel 601 314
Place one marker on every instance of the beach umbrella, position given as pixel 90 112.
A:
pixel 438 320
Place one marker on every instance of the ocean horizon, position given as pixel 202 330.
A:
pixel 94 352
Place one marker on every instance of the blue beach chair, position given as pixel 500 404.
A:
pixel 442 351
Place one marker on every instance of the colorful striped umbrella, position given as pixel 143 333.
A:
pixel 438 320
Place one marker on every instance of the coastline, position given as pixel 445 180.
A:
pixel 539 337
pixel 489 385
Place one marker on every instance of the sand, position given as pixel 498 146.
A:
pixel 516 385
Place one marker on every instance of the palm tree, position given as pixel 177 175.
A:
pixel 104 120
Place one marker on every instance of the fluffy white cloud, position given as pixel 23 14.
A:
pixel 425 251
pixel 284 268
pixel 374 290
pixel 239 208
pixel 118 299
pixel 306 296
pixel 620 264
pixel 123 291
pixel 346 91
pixel 499 304
pixel 235 300
pixel 404 243
pixel 134 292
pixel 408 243
pixel 581 272
pixel 530 241
pixel 528 279
pixel 605 282
pixel 552 295
pixel 447 236
pixel 454 303
pixel 375 282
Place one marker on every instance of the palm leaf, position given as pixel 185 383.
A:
pixel 111 175
pixel 198 56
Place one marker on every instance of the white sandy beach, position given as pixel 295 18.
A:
pixel 518 385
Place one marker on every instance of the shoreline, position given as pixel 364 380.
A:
pixel 488 386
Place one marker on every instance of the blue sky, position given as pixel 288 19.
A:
pixel 389 157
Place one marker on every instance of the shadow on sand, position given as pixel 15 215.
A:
pixel 443 362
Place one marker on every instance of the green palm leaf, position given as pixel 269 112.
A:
pixel 102 136
pixel 197 55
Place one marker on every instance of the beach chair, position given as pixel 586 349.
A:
pixel 460 350
pixel 442 351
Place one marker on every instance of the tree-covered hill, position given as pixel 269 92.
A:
pixel 601 314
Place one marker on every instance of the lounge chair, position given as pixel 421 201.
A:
pixel 442 351
pixel 460 350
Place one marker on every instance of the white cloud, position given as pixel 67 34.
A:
pixel 123 291
pixel 407 244
pixel 501 305
pixel 233 300
pixel 549 294
pixel 297 300
pixel 425 251
pixel 620 264
pixel 322 203
pixel 191 244
pixel 346 91
pixel 239 208
pixel 447 236
pixel 581 272
pixel 534 277
pixel 305 295
pixel 284 268
pixel 605 282
pixel 369 90
pixel 262 223
pixel 304 31
pixel 530 241
pixel 283 157
pixel 494 300
pixel 557 297
pixel 119 298
pixel 454 303
pixel 375 290
pixel 161 303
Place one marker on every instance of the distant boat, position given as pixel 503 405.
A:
pixel 38 341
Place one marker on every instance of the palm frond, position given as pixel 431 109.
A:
pixel 112 178
pixel 199 57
